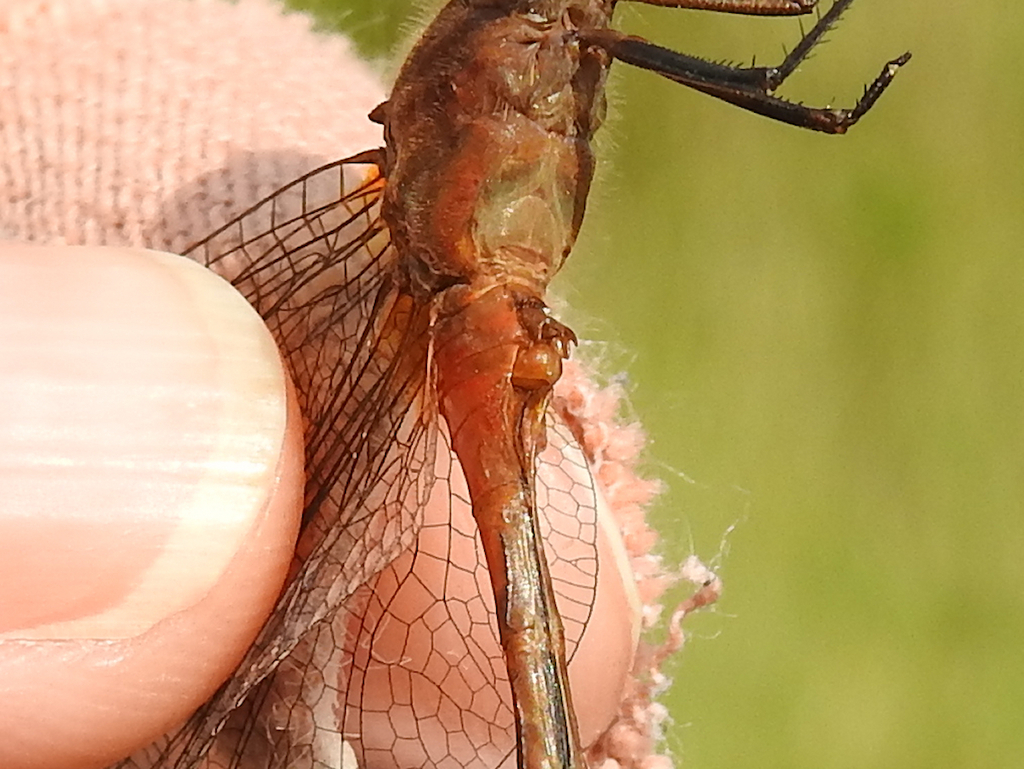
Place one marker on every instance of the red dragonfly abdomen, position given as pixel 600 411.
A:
pixel 488 164
pixel 497 355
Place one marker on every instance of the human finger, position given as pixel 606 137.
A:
pixel 150 472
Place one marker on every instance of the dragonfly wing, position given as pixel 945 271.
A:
pixel 565 485
pixel 423 681
pixel 316 262
pixel 409 671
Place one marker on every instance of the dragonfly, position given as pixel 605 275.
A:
pixel 406 288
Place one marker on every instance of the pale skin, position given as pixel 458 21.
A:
pixel 101 652
pixel 112 656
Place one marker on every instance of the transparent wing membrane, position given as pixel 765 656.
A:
pixel 383 647
pixel 315 260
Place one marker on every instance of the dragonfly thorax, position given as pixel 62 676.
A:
pixel 488 134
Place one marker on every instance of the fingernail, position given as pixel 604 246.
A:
pixel 142 412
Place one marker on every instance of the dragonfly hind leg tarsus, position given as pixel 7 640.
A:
pixel 750 88
pixel 745 7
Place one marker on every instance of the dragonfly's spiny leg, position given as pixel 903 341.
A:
pixel 749 87
pixel 746 7
pixel 807 42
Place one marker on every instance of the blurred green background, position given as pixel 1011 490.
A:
pixel 824 337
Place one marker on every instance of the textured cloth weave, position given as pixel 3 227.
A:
pixel 147 123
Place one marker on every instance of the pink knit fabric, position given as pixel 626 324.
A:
pixel 151 123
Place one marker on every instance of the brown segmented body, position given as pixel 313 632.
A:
pixel 486 200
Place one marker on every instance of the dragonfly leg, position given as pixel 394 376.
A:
pixel 746 7
pixel 751 87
